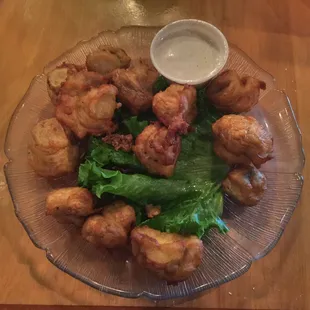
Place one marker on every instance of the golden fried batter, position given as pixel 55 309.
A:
pixel 229 157
pixel 82 82
pixel 107 59
pixel 245 185
pixel 91 113
pixel 176 107
pixel 231 94
pixel 157 150
pixel 71 80
pixel 56 78
pixel 135 86
pixel 71 204
pixel 51 152
pixel 171 256
pixel 242 140
pixel 111 228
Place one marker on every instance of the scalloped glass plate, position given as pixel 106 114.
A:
pixel 253 231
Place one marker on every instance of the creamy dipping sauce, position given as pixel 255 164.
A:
pixel 188 55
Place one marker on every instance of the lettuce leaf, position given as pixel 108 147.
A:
pixel 139 188
pixel 192 216
pixel 206 116
pixel 187 207
pixel 198 161
pixel 134 126
pixel 160 84
pixel 105 155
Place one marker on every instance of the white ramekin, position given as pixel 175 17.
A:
pixel 209 32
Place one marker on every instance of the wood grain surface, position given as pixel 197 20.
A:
pixel 275 33
pixel 46 307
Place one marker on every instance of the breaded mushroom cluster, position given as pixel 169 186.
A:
pixel 52 151
pixel 111 228
pixel 171 256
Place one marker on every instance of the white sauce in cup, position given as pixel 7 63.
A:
pixel 189 51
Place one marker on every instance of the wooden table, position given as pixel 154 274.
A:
pixel 276 34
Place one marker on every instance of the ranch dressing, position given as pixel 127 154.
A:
pixel 188 55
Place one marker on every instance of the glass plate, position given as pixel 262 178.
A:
pixel 253 231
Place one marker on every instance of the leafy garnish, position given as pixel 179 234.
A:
pixel 160 84
pixel 198 161
pixel 105 155
pixel 192 216
pixel 187 207
pixel 134 126
pixel 139 188
pixel 206 115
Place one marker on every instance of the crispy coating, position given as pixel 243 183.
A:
pixel 119 142
pixel 81 82
pixel 157 150
pixel 71 80
pixel 152 211
pixel 51 152
pixel 171 256
pixel 176 107
pixel 229 157
pixel 91 113
pixel 70 201
pixel 106 59
pixel 57 77
pixel 231 94
pixel 245 185
pixel 70 205
pixel 135 86
pixel 242 140
pixel 111 228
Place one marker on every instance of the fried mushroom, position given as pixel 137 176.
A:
pixel 107 59
pixel 81 82
pixel 157 150
pixel 111 228
pixel 231 94
pixel 71 80
pixel 70 205
pixel 242 140
pixel 245 184
pixel 51 152
pixel 135 86
pixel 91 113
pixel 57 77
pixel 176 107
pixel 171 256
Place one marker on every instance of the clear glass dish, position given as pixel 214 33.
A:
pixel 253 231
